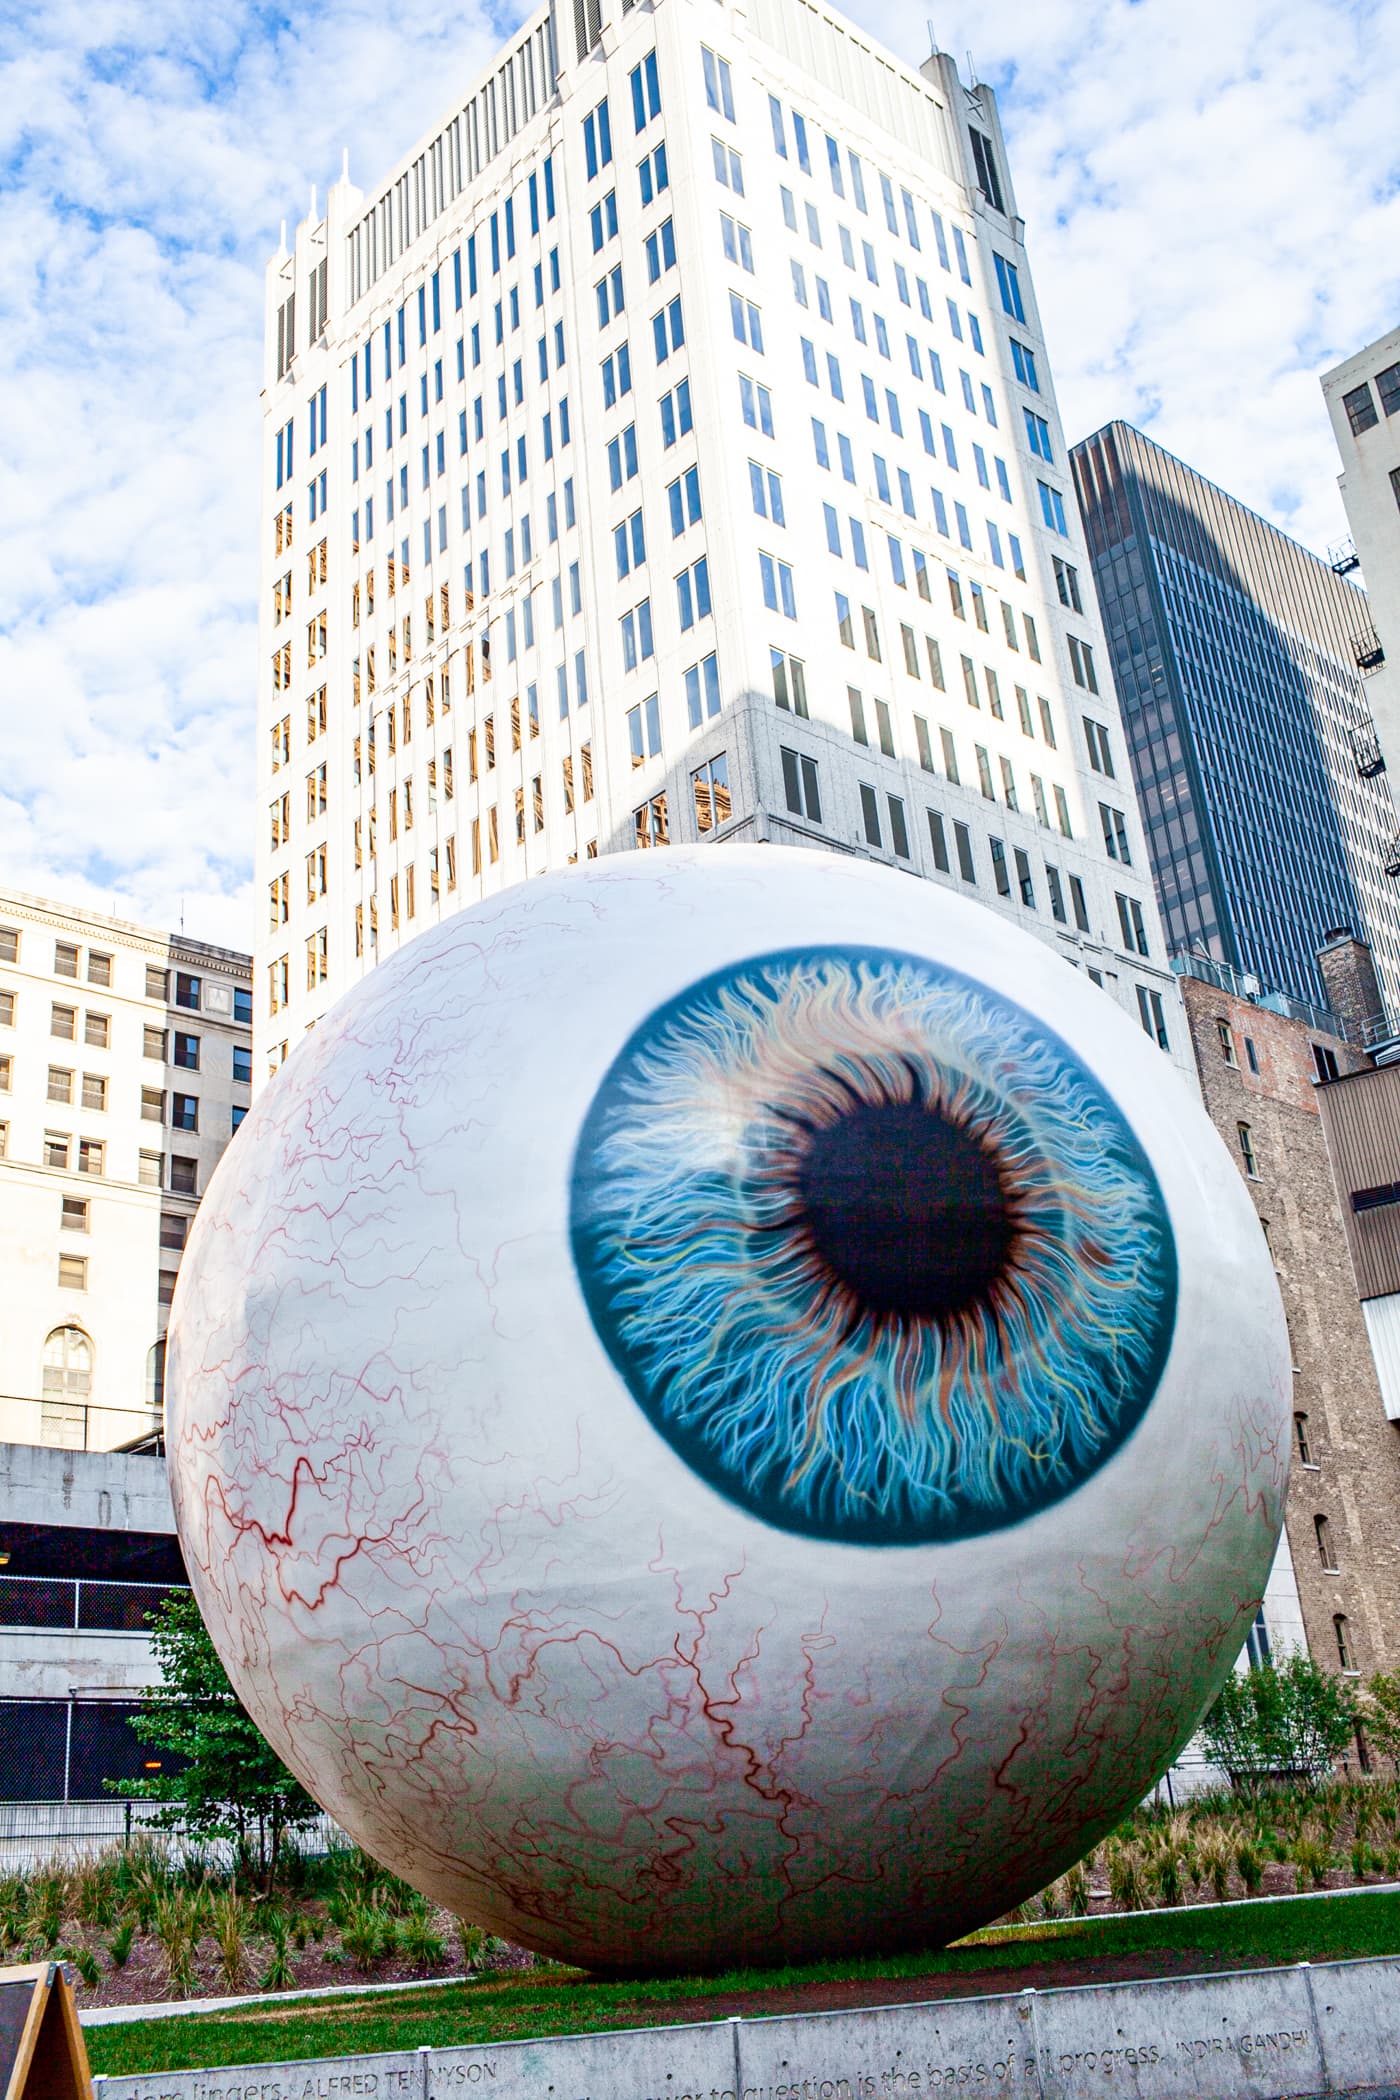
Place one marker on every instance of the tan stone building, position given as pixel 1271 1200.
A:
pixel 125 1062
pixel 1264 1061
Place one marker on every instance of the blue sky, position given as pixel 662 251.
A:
pixel 1213 201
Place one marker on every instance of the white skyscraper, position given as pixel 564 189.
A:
pixel 1363 400
pixel 668 449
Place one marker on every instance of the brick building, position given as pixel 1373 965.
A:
pixel 1263 1062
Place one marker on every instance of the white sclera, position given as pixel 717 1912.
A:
pixel 501 1630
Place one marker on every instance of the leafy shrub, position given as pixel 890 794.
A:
pixel 1285 1720
pixel 1380 1713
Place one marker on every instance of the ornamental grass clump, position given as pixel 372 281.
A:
pixel 43 1924
pixel 422 1943
pixel 279 1974
pixel 230 1919
pixel 1215 1855
pixel 1249 1866
pixel 1164 1869
pixel 95 1898
pixel 363 1934
pixel 83 1959
pixel 174 1923
pixel 1125 1877
pixel 1312 1856
pixel 1076 1891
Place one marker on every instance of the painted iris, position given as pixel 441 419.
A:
pixel 872 1249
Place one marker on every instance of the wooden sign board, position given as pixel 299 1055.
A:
pixel 42 2052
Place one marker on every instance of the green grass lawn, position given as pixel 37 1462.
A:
pixel 566 2001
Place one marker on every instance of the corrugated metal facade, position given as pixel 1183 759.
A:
pixel 1361 1120
pixel 1383 1327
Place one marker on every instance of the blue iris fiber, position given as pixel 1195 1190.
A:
pixel 729 1316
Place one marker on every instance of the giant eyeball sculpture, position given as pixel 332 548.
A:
pixel 727 1406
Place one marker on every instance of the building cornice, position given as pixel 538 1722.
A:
pixel 122 933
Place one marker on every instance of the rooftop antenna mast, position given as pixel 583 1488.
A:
pixel 932 39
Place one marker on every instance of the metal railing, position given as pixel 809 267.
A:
pixel 1367 753
pixel 1379 1030
pixel 75 1425
pixel 1241 984
pixel 79 1604
pixel 1367 648
pixel 34 1832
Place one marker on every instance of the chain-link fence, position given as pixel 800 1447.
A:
pixel 65 1604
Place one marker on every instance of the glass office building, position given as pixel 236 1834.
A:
pixel 1235 653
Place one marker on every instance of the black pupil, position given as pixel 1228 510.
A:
pixel 906 1209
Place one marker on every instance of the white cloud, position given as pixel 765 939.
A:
pixel 147 155
pixel 1213 198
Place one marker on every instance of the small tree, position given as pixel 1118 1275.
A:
pixel 1380 1713
pixel 1286 1720
pixel 230 1784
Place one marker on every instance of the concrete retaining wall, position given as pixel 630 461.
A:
pixel 1271 2034
pixel 103 1490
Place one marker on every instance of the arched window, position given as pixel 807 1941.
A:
pixel 1300 1425
pixel 1340 1628
pixel 67 1387
pixel 155 1376
pixel 1326 1552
